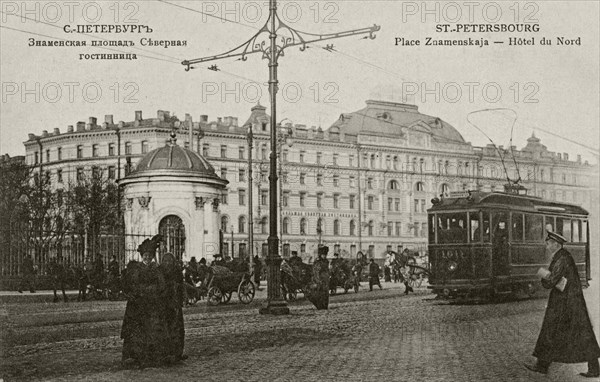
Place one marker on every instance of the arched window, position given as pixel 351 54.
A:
pixel 352 228
pixel 396 163
pixel 263 225
pixel 285 226
pixel 336 227
pixel 224 223
pixel 393 185
pixel 320 226
pixel 420 187
pixel 303 226
pixel 445 189
pixel 242 224
pixel 370 228
pixel 372 163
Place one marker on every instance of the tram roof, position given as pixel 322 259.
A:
pixel 478 199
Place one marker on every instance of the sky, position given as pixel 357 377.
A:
pixel 552 90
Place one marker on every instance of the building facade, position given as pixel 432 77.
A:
pixel 363 184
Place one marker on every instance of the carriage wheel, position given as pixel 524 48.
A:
pixel 214 296
pixel 246 292
pixel 226 297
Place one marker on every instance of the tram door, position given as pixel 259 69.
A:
pixel 500 255
pixel 172 230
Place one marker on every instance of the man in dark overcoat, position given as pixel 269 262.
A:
pixel 567 335
pixel 318 291
pixel 374 274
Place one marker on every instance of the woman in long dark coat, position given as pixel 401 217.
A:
pixel 318 291
pixel 172 307
pixel 567 335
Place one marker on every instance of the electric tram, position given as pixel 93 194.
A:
pixel 484 244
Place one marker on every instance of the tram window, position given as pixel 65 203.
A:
pixel 533 227
pixel 549 220
pixel 517 227
pixel 475 229
pixel 431 229
pixel 499 222
pixel 563 227
pixel 486 226
pixel 576 231
pixel 452 228
pixel 583 231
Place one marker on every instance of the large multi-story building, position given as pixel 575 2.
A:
pixel 365 183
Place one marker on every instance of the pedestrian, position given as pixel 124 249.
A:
pixel 318 291
pixel 567 335
pixel 113 278
pixel 144 330
pixel 58 276
pixel 172 310
pixel 374 274
pixel 257 268
pixel 28 277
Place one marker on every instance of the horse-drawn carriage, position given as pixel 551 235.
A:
pixel 342 276
pixel 222 282
pixel 295 278
pixel 406 270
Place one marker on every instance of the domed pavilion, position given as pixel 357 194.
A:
pixel 174 192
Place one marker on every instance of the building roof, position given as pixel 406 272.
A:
pixel 174 158
pixel 393 119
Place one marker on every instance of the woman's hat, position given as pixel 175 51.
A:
pixel 149 245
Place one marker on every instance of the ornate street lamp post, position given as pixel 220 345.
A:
pixel 250 208
pixel 277 31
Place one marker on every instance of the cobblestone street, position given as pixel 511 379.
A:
pixel 379 335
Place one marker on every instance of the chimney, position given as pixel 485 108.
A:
pixel 188 118
pixel 108 118
pixel 578 158
pixel 160 115
pixel 219 120
pixel 93 121
pixel 138 115
pixel 44 133
pixel 121 124
pixel 80 126
pixel 56 131
pixel 31 136
pixel 69 128
pixel 227 121
pixel 234 121
pixel 566 156
pixel 559 155
pixel 204 118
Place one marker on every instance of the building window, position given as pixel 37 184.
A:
pixel 263 225
pixel 319 179
pixel 223 172
pixel 370 183
pixel 370 202
pixel 127 148
pixel 390 228
pixel 224 224
pixel 225 197
pixel 398 228
pixel 264 197
pixel 263 176
pixel 302 178
pixel 284 177
pixel 396 163
pixel 242 224
pixel 335 159
pixel 423 206
pixel 302 199
pixel 263 151
pixel 302 248
pixel 320 226
pixel 36 158
pixel 242 197
pixel 319 200
pixel 223 151
pixel 80 174
pixel 336 181
pixel 390 203
pixel 285 226
pixel 351 161
pixel 284 156
pixel 302 156
pixel 205 150
pixel 352 228
pixel 419 187
pixel 372 162
pixel 370 228
pixel 388 162
pixel 242 152
pixel 111 172
pixel 285 199
pixel 144 147
pixel 264 126
pixel 416 205
pixel 352 182
pixel 303 226
pixel 319 157
pixel 96 173
pixel 111 149
pixel 94 151
pixel 79 153
pixel 336 201
pixel 242 175
pixel 336 227
pixel 352 199
pixel 394 185
pixel 423 229
pixel 48 155
pixel 60 153
pixel 59 175
pixel 445 189
pixel 397 204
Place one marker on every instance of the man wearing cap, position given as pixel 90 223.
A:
pixel 567 335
